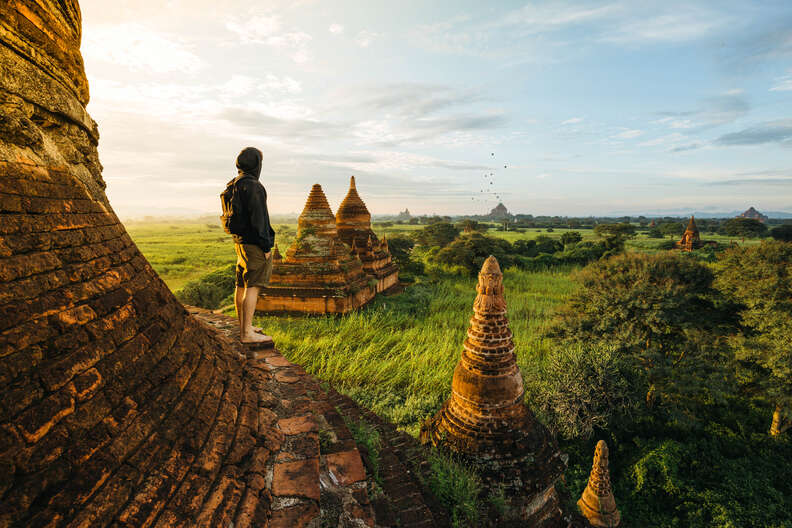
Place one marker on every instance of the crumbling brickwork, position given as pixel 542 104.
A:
pixel 486 421
pixel 319 274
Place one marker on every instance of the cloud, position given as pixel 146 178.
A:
pixel 336 29
pixel 417 112
pixel 674 142
pixel 711 112
pixel 628 134
pixel 779 131
pixel 783 84
pixel 268 29
pixel 266 125
pixel 364 38
pixel 139 49
pixel 572 121
pixel 678 25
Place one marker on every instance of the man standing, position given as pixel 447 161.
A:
pixel 245 216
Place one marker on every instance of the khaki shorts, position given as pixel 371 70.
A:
pixel 253 269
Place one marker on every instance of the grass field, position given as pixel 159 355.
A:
pixel 397 356
pixel 181 251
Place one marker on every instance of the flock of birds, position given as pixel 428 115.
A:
pixel 487 191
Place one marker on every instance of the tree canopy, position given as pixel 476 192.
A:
pixel 759 279
pixel 438 234
pixel 661 311
pixel 744 227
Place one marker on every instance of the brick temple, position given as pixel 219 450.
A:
pixel 353 222
pixel 690 239
pixel 486 421
pixel 319 274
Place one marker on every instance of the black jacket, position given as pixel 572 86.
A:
pixel 254 201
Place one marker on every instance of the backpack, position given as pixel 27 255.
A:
pixel 233 218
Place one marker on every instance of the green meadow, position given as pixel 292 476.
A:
pixel 397 355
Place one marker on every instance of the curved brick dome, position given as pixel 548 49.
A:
pixel 117 406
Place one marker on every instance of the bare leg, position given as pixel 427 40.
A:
pixel 239 294
pixel 247 334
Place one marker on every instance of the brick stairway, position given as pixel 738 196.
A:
pixel 314 469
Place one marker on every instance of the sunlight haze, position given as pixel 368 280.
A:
pixel 575 108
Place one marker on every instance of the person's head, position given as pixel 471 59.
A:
pixel 249 161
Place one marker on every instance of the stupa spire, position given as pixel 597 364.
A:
pixel 692 227
pixel 485 420
pixel 353 222
pixel 276 255
pixel 316 229
pixel 597 503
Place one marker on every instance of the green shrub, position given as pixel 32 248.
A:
pixel 582 388
pixel 457 486
pixel 211 290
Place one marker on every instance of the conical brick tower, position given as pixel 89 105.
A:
pixel 690 239
pixel 597 503
pixel 353 222
pixel 318 275
pixel 485 421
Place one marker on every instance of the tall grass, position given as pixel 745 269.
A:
pixel 397 356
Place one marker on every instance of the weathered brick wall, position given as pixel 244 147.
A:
pixel 115 405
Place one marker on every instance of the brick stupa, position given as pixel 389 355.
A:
pixel 690 239
pixel 597 503
pixel 486 423
pixel 319 274
pixel 353 222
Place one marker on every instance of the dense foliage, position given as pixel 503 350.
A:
pixel 782 232
pixel 744 227
pixel 661 312
pixel 759 279
pixel 211 291
pixel 437 234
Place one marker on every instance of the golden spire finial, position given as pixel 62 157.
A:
pixel 597 503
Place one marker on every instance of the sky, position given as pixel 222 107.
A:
pixel 445 107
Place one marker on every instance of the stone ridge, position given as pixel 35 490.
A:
pixel 342 478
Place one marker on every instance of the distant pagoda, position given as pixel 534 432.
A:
pixel 319 274
pixel 353 222
pixel 754 214
pixel 690 239
pixel 499 212
pixel 486 422
pixel 597 503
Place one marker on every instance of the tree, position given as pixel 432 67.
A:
pixel 671 229
pixel 546 244
pixel 469 226
pixel 571 237
pixel 438 234
pixel 744 227
pixel 654 233
pixel 470 251
pixel 526 248
pixel 782 232
pixel 615 235
pixel 759 278
pixel 661 312
pixel 583 387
